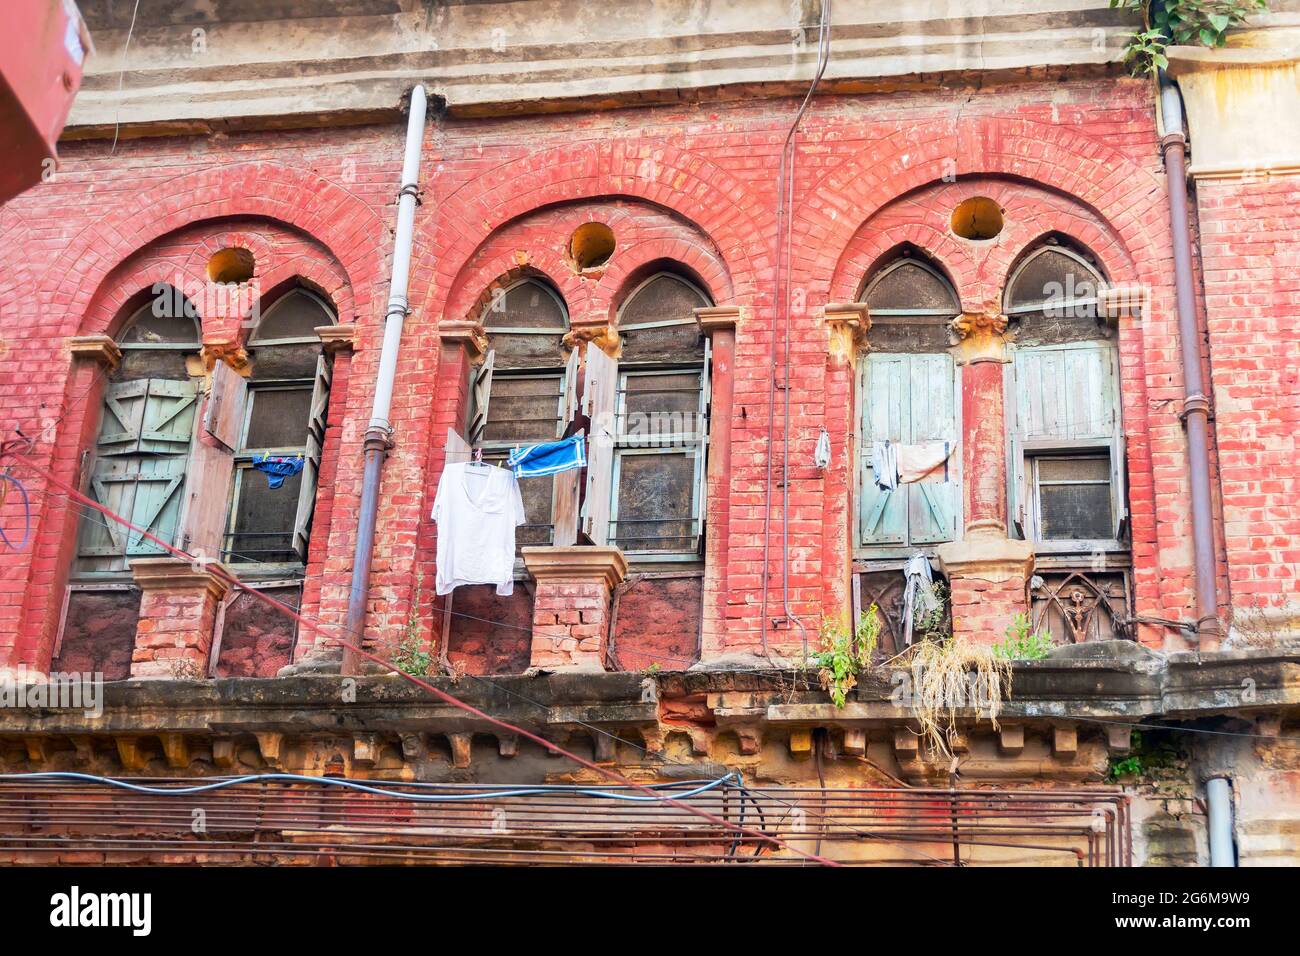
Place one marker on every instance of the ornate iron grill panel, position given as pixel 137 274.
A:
pixel 1077 606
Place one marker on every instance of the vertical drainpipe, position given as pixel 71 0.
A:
pixel 1196 404
pixel 1218 797
pixel 378 438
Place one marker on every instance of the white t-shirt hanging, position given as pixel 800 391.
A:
pixel 477 508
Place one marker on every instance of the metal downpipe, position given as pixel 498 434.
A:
pixel 378 438
pixel 1196 403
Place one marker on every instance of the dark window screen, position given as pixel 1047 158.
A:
pixel 279 418
pixel 654 503
pixel 1074 498
pixel 523 409
pixel 264 519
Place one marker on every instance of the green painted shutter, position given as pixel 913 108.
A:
pixel 169 412
pixel 141 457
pixel 119 432
pixel 932 505
pixel 157 505
pixel 882 515
pixel 907 399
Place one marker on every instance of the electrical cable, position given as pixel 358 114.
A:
pixel 375 788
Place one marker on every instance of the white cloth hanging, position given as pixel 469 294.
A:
pixel 918 597
pixel 884 465
pixel 477 508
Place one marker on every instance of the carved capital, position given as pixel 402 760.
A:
pixel 224 350
pixel 604 337
pixel 465 333
pixel 847 324
pixel 1123 302
pixel 337 338
pixel 173 574
pixel 577 564
pixel 975 324
pixel 715 318
pixel 96 348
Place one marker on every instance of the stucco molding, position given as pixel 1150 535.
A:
pixel 173 574
pixel 96 348
pixel 987 559
pixel 577 563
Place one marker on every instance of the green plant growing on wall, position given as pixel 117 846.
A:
pixel 411 655
pixel 845 654
pixel 1181 23
pixel 1147 760
pixel 1020 644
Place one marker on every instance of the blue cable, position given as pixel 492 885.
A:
pixel 27 513
pixel 703 787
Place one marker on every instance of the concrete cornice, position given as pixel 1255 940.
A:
pixel 315 66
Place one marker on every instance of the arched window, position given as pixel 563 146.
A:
pixel 283 430
pixel 1054 295
pixel 142 447
pixel 1066 443
pixel 908 413
pixel 522 393
pixel 660 413
pixel 1066 436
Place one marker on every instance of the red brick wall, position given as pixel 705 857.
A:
pixel 694 184
pixel 1250 251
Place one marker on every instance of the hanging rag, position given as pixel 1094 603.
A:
pixel 822 454
pixel 915 462
pixel 277 469
pixel 884 465
pixel 919 599
pixel 549 458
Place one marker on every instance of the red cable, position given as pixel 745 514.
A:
pixel 442 695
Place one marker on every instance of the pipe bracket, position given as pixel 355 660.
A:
pixel 1195 404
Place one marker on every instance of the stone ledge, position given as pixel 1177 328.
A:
pixel 997 560
pixel 577 563
pixel 97 348
pixel 173 574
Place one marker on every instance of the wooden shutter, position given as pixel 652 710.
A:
pixel 480 394
pixel 119 432
pixel 564 504
pixel 169 411
pixel 316 419
pixel 1067 396
pixel 142 456
pixel 907 399
pixel 223 418
pixel 599 393
pixel 932 416
pixel 157 504
pixel 882 515
pixel 1066 393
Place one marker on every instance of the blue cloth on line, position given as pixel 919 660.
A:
pixel 278 469
pixel 549 458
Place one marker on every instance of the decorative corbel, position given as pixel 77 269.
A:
pixel 980 337
pixel 337 338
pixel 604 337
pixel 1122 302
pixel 100 349
pixel 466 333
pixel 224 350
pixel 847 325
pixel 718 318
